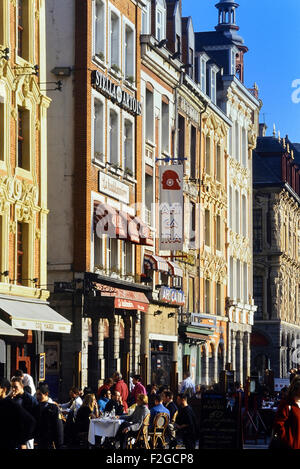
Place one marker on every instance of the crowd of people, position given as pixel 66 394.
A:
pixel 31 419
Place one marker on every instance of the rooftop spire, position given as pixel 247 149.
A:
pixel 227 20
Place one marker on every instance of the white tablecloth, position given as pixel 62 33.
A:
pixel 103 427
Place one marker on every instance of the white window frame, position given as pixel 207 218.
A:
pixel 146 18
pixel 160 8
pixel 94 52
pixel 95 198
pixel 97 97
pixel 108 253
pixel 124 258
pixel 114 11
pixel 128 117
pixel 213 86
pixel 128 24
pixel 116 109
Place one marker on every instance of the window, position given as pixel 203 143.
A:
pixel 127 252
pixel 23 29
pixel 245 281
pixel 181 136
pixel 129 53
pixel 99 29
pixel 258 289
pixel 244 147
pixel 191 61
pixel 257 230
pixel 2 129
pixel 146 18
pixel 165 130
pixel 230 141
pixel 178 44
pixel 230 208
pixel 98 252
pixel 207 155
pixel 207 297
pixel 218 299
pixel 98 130
pixel 213 89
pixel 231 277
pixel 238 279
pixel 233 62
pixel 192 225
pixel 244 216
pixel 237 141
pixel 207 228
pixel 114 41
pixel 218 163
pixel 149 124
pixel 113 137
pixel 113 254
pixel 148 199
pixel 203 75
pixel 191 298
pixel 23 139
pixel 22 254
pixel 218 233
pixel 193 153
pixel 237 211
pixel 160 20
pixel 128 157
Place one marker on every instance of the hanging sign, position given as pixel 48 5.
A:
pixel 171 233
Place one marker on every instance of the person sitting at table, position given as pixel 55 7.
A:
pixel 108 382
pixel 132 423
pixel 85 413
pixel 115 403
pixel 157 409
pixel 105 396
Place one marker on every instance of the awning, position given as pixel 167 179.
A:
pixel 125 299
pixel 6 329
pixel 176 271
pixel 106 217
pixel 34 315
pixel 156 263
pixel 191 335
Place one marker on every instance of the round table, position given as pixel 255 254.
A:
pixel 104 427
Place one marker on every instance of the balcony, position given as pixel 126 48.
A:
pixel 196 319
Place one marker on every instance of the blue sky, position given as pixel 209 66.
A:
pixel 271 31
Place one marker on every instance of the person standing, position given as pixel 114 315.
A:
pixel 188 385
pixel 49 429
pixel 122 388
pixel 287 419
pixel 108 382
pixel 186 422
pixel 25 400
pixel 17 426
pixel 27 381
pixel 137 389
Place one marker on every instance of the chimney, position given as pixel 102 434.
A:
pixel 262 130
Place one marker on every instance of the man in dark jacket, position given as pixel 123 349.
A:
pixel 16 424
pixel 115 403
pixel 49 430
pixel 186 423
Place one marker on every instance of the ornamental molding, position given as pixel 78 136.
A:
pixel 213 192
pixel 24 195
pixel 240 247
pixel 214 267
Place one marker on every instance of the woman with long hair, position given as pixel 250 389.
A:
pixel 286 428
pixel 85 413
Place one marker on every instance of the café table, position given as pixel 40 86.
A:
pixel 105 427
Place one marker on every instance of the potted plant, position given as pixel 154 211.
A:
pixel 100 55
pixel 116 69
pixel 130 79
pixel 128 172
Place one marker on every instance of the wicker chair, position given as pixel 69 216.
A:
pixel 160 425
pixel 142 436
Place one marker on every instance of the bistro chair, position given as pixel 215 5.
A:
pixel 142 436
pixel 160 425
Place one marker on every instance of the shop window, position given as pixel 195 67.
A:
pixel 23 28
pixel 128 157
pixel 98 130
pixel 23 138
pixel 129 53
pixel 99 29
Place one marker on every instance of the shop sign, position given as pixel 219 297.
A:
pixel 115 92
pixel 172 296
pixel 189 110
pixel 111 186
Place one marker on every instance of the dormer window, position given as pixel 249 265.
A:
pixel 201 75
pixel 213 86
pixel 233 62
pixel 160 20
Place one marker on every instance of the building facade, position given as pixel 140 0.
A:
pixel 276 219
pixel 23 189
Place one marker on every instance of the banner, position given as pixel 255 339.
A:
pixel 171 231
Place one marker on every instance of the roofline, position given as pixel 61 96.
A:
pixel 242 87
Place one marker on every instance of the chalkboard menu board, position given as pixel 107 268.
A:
pixel 220 425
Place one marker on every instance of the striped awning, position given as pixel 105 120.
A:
pixel 175 269
pixel 158 263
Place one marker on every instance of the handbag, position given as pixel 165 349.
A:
pixel 276 441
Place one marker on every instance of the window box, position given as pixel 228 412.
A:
pixel 115 71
